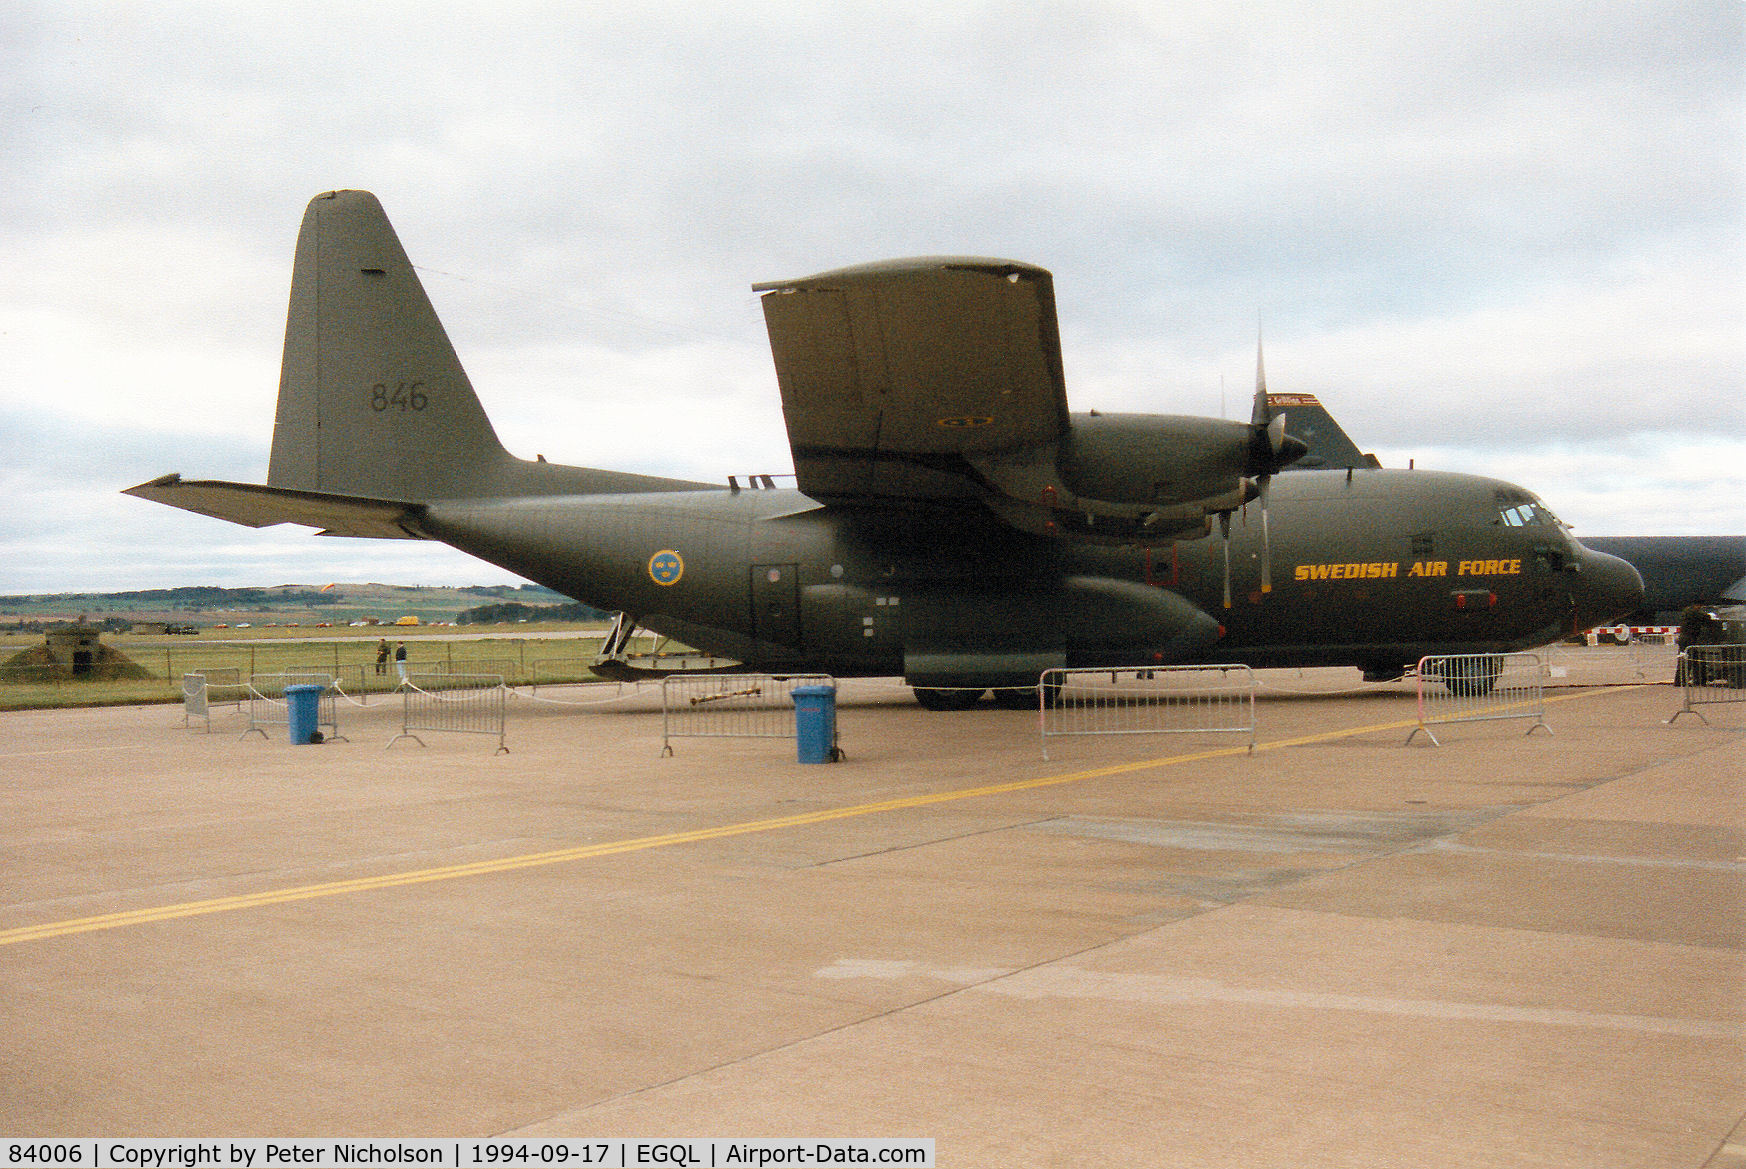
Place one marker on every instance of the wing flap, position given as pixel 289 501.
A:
pixel 256 506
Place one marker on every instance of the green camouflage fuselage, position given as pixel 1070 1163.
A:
pixel 1373 568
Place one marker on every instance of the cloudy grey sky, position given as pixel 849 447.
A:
pixel 1503 238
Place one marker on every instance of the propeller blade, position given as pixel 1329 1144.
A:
pixel 1266 536
pixel 1225 539
pixel 1276 439
pixel 1260 414
pixel 1270 448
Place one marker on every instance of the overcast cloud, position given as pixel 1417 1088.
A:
pixel 1504 238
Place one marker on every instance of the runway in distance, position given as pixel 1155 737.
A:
pixel 952 523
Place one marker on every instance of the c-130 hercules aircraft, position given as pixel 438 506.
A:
pixel 953 523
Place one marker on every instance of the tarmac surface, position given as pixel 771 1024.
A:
pixel 1341 950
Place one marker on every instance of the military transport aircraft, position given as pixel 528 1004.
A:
pixel 953 523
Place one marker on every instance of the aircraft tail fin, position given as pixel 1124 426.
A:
pixel 376 417
pixel 1329 446
pixel 373 401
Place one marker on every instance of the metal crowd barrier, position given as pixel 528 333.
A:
pixel 1467 688
pixel 731 706
pixel 560 672
pixel 1149 700
pixel 350 680
pixel 225 679
pixel 481 667
pixel 1646 659
pixel 267 705
pixel 194 703
pixel 470 704
pixel 1710 675
pixel 228 678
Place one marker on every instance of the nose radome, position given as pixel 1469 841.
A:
pixel 1608 588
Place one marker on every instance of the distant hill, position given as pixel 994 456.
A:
pixel 306 604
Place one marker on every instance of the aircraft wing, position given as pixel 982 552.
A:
pixel 256 506
pixel 894 375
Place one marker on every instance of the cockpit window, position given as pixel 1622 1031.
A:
pixel 1524 515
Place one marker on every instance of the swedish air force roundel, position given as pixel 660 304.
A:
pixel 665 567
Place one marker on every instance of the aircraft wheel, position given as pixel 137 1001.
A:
pixel 933 698
pixel 1015 697
pixel 1473 679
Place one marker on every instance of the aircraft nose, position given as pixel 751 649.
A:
pixel 1607 588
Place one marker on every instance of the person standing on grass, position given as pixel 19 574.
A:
pixel 400 661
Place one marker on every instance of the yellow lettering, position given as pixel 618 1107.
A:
pixel 1370 570
pixel 1490 568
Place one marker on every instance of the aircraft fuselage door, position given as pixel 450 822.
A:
pixel 776 603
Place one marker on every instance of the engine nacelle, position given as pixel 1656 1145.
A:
pixel 1154 459
pixel 1127 478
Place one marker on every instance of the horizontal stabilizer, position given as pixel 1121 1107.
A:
pixel 256 506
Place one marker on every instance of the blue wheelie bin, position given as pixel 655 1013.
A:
pixel 815 723
pixel 303 708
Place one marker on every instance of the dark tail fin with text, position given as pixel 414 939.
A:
pixel 376 418
pixel 372 399
pixel 1308 420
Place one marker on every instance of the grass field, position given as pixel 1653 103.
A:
pixel 531 654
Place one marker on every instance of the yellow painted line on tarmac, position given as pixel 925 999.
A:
pixel 132 917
